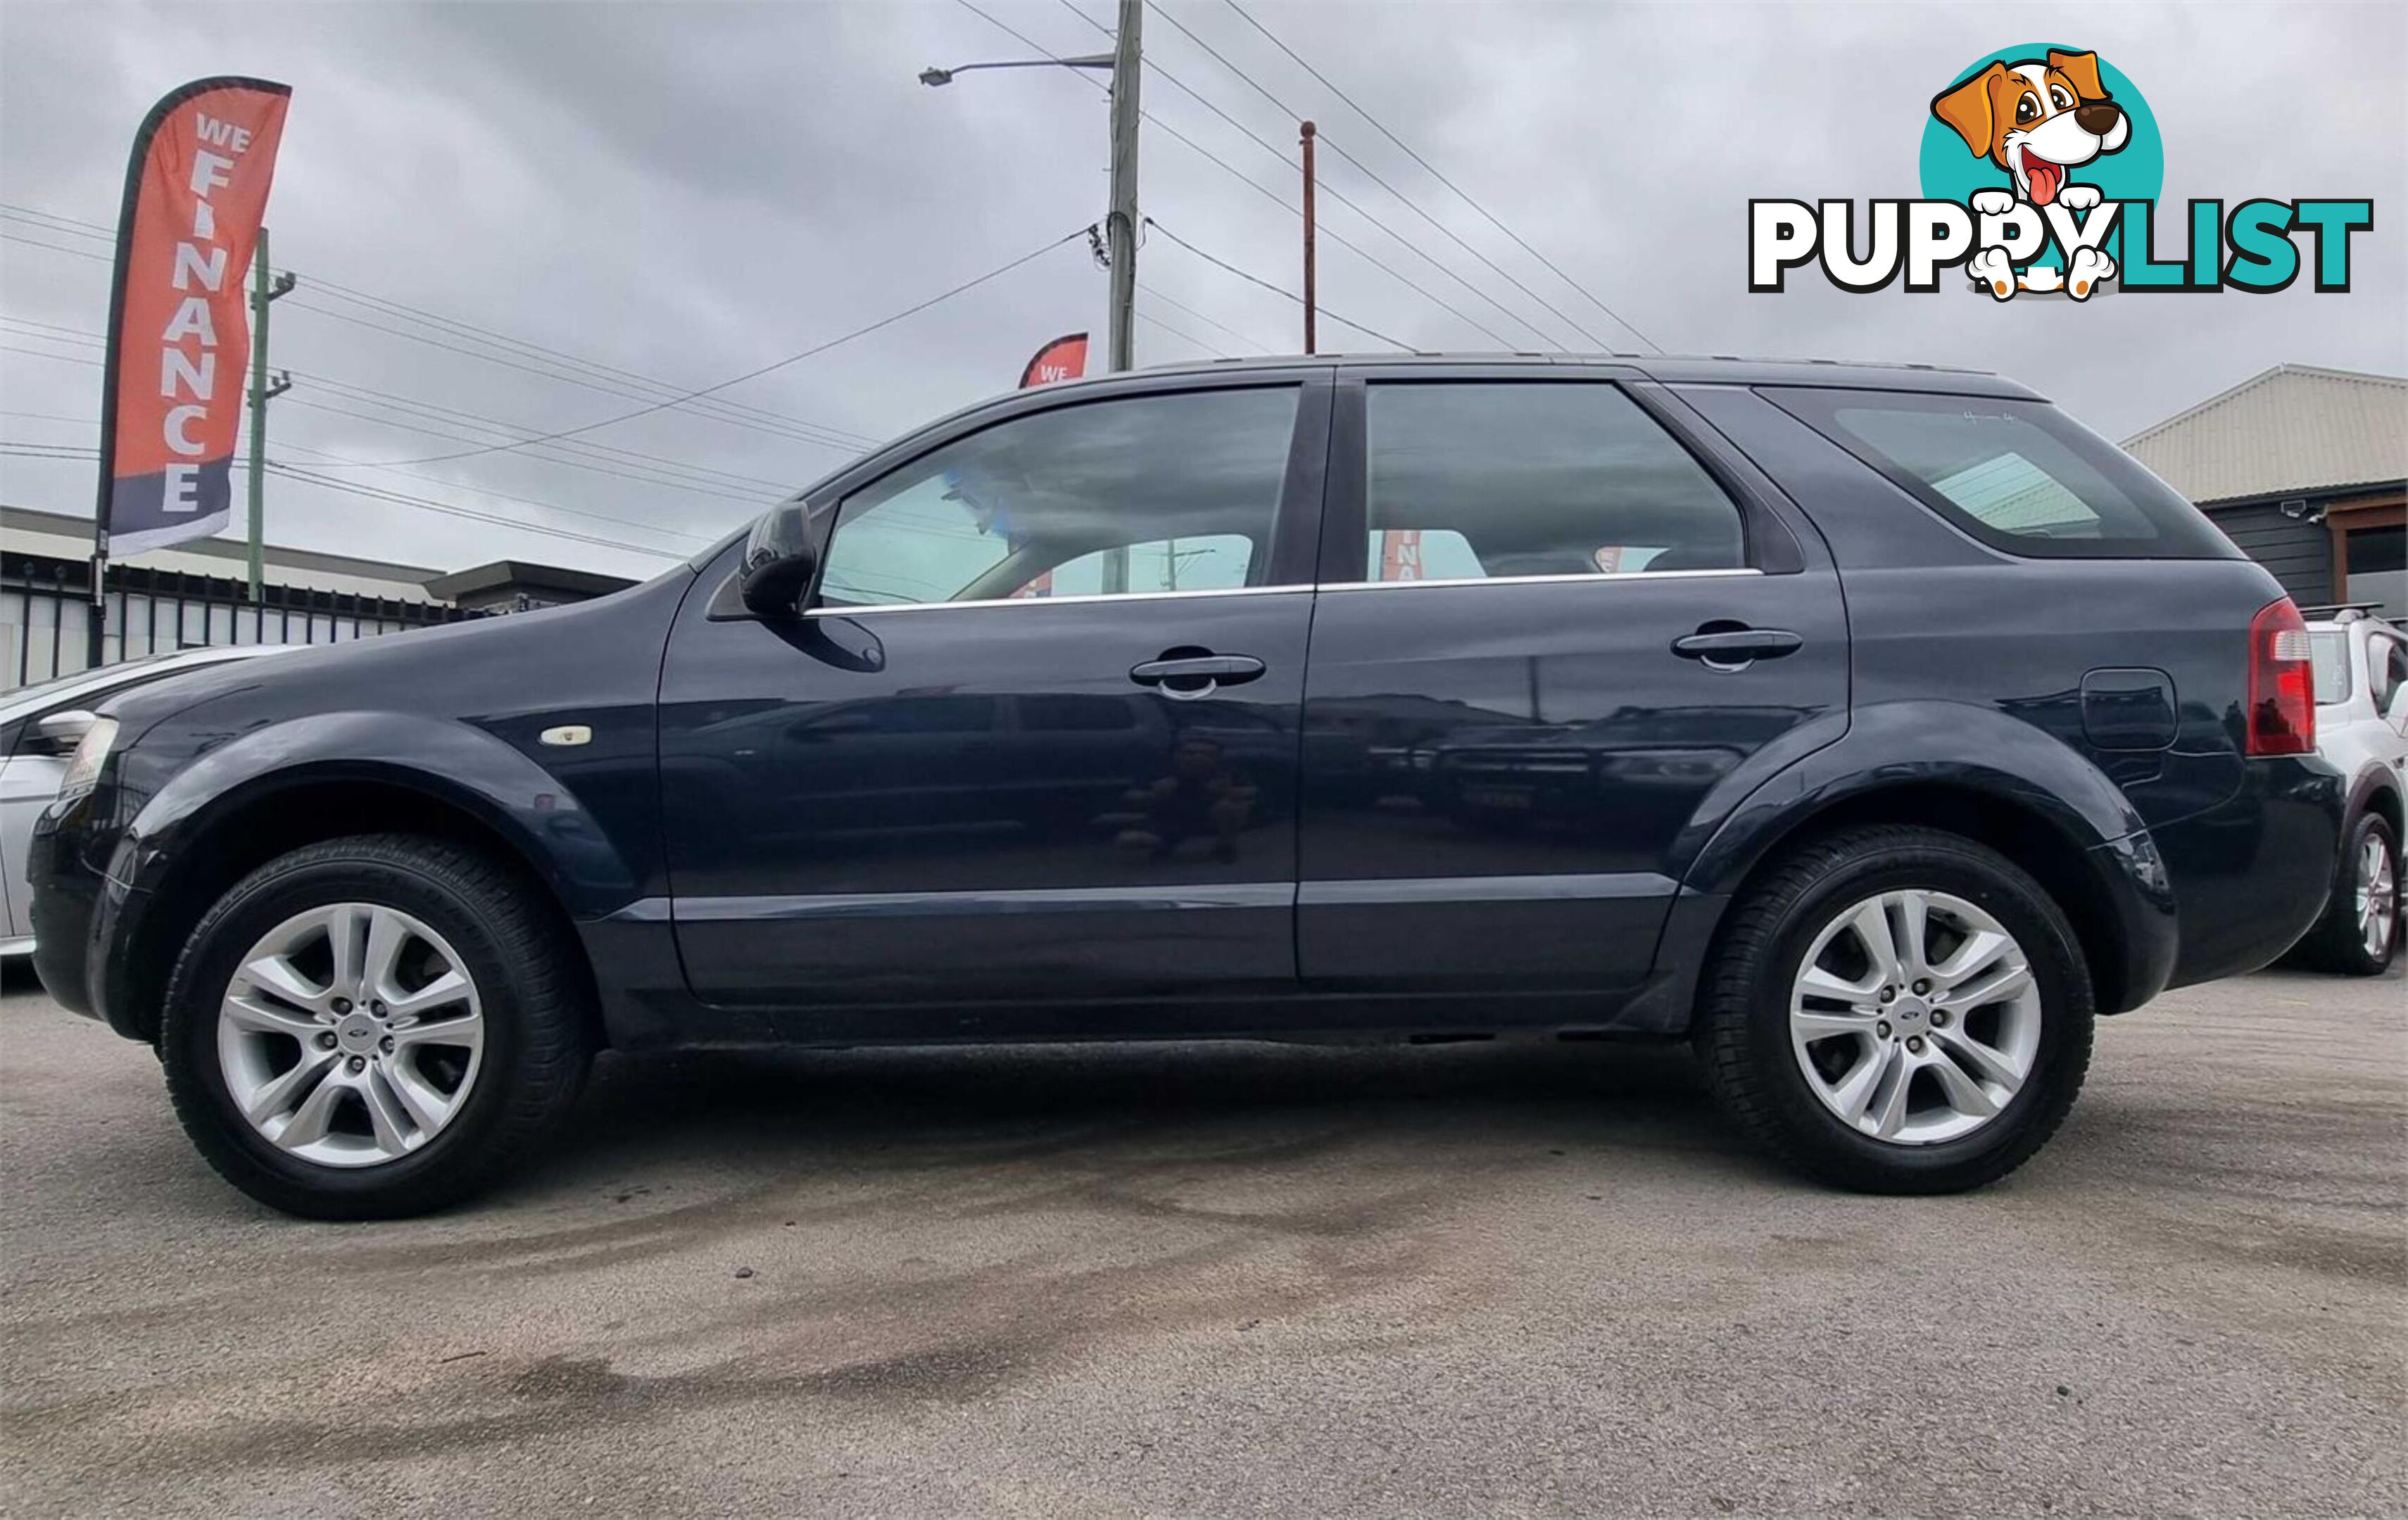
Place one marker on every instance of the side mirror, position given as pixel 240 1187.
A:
pixel 61 732
pixel 778 563
pixel 2397 709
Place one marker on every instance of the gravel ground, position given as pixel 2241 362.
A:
pixel 1237 1279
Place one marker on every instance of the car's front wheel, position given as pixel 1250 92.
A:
pixel 1897 1010
pixel 372 1027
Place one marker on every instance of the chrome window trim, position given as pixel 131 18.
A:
pixel 1274 591
pixel 1538 579
pixel 1053 601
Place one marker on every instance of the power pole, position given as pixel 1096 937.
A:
pixel 1120 226
pixel 1120 223
pixel 265 288
pixel 1307 239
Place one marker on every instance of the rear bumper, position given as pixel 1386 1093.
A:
pixel 2250 875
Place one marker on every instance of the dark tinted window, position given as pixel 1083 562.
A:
pixel 1481 479
pixel 1150 494
pixel 2377 560
pixel 2019 475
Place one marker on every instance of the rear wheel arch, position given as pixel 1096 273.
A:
pixel 2380 796
pixel 275 815
pixel 1984 1060
pixel 2027 835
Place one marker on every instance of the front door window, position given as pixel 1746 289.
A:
pixel 1155 493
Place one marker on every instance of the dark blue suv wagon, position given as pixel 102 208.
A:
pixel 1872 728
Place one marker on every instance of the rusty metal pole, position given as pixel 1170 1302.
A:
pixel 1309 294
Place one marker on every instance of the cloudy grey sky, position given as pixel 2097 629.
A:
pixel 686 192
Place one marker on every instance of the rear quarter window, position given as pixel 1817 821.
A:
pixel 2020 475
pixel 2329 660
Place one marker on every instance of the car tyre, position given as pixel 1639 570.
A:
pixel 1762 1014
pixel 2358 932
pixel 476 1059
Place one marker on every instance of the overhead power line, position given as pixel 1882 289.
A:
pixel 1326 314
pixel 597 458
pixel 1427 164
pixel 13 447
pixel 1183 335
pixel 849 444
pixel 55 248
pixel 403 500
pixel 1254 343
pixel 1400 197
pixel 1341 196
pixel 1359 251
pixel 504 495
pixel 733 410
pixel 593 373
pixel 72 451
pixel 384 419
pixel 813 351
pixel 52 220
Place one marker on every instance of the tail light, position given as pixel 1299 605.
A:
pixel 2282 682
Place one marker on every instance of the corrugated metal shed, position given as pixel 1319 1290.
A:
pixel 2296 427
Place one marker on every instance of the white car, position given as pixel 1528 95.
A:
pixel 2362 678
pixel 39 728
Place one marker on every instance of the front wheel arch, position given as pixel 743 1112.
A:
pixel 247 830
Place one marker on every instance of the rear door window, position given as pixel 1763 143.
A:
pixel 1489 478
pixel 2019 476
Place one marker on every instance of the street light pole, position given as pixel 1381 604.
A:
pixel 1121 218
pixel 1120 224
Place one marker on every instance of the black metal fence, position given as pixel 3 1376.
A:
pixel 46 605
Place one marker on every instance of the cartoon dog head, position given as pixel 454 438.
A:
pixel 2036 119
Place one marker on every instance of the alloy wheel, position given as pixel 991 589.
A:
pixel 2378 897
pixel 349 1035
pixel 1914 1017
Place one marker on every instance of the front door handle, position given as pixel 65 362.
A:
pixel 1733 647
pixel 1189 677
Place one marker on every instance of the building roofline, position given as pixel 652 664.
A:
pixel 2317 371
pixel 2293 493
pixel 35 520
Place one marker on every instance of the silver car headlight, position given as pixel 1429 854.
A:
pixel 83 770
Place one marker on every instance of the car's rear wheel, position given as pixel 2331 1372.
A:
pixel 372 1027
pixel 1897 1009
pixel 2359 930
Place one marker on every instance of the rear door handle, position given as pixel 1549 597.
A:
pixel 1193 676
pixel 1733 648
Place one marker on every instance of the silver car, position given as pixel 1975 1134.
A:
pixel 39 728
